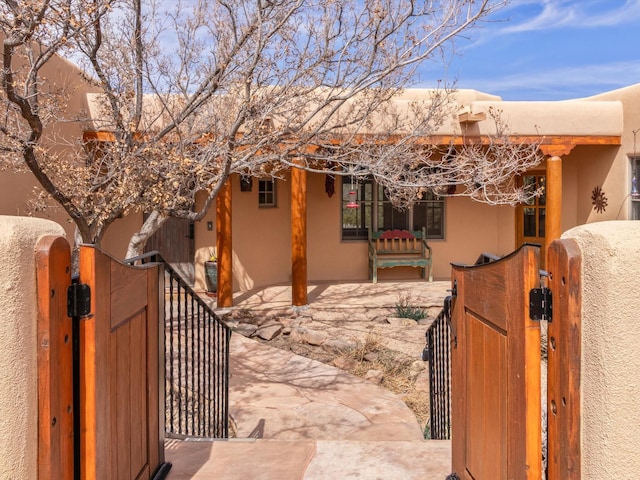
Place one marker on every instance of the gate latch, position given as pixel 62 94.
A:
pixel 78 300
pixel 540 304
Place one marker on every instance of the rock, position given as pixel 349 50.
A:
pixel 261 321
pixel 371 356
pixel 246 329
pixel 339 345
pixel 416 368
pixel 232 324
pixel 306 335
pixel 422 381
pixel 401 322
pixel 374 376
pixel 241 314
pixel 345 363
pixel 380 319
pixel 269 332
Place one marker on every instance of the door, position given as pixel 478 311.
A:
pixel 530 219
pixel 495 375
pixel 119 369
pixel 175 242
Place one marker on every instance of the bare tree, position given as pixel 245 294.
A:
pixel 187 93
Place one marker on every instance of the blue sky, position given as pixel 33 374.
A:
pixel 549 50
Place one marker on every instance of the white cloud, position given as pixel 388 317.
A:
pixel 560 83
pixel 552 14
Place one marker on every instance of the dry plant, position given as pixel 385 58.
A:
pixel 397 375
pixel 187 92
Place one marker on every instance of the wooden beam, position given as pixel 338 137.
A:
pixel 468 117
pixel 556 150
pixel 569 141
pixel 299 236
pixel 224 246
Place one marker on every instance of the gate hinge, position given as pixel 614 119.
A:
pixel 541 304
pixel 78 300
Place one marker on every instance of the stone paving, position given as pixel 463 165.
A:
pixel 296 418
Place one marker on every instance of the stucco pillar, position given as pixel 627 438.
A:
pixel 299 236
pixel 553 218
pixel 224 246
pixel 610 370
pixel 18 344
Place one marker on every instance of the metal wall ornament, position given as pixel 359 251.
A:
pixel 246 183
pixel 598 199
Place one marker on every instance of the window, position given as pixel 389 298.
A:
pixel 635 188
pixel 267 193
pixel 534 212
pixel 365 204
pixel 357 207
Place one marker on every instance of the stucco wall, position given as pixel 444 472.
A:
pixel 262 238
pixel 18 335
pixel 610 339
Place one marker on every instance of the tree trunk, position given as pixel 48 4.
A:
pixel 139 239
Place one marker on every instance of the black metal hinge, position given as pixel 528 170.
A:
pixel 541 304
pixel 78 300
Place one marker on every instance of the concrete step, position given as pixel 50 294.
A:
pixel 262 459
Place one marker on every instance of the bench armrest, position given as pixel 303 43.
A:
pixel 372 249
pixel 426 248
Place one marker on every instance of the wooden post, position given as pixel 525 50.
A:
pixel 564 405
pixel 55 361
pixel 224 246
pixel 553 222
pixel 299 236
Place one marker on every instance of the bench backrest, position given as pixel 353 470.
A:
pixel 398 241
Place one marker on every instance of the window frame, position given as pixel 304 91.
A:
pixel 267 197
pixel 378 204
pixel 634 204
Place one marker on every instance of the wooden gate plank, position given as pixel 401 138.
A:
pixel 55 360
pixel 496 410
pixel 95 404
pixel 564 361
pixel 119 369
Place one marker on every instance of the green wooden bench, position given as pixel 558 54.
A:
pixel 399 248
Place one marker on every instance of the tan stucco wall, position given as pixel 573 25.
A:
pixel 17 188
pixel 18 336
pixel 610 339
pixel 262 238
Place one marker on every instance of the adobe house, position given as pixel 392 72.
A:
pixel 293 231
pixel 591 147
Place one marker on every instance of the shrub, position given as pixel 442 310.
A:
pixel 404 309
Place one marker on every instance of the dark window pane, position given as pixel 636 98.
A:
pixel 529 184
pixel 420 216
pixel 529 222
pixel 541 221
pixel 266 193
pixel 356 208
pixel 427 213
pixel 542 184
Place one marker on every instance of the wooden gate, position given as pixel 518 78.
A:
pixel 119 345
pixel 175 241
pixel 495 388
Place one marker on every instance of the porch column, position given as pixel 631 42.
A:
pixel 224 247
pixel 298 237
pixel 553 222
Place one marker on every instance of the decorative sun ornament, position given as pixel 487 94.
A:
pixel 598 200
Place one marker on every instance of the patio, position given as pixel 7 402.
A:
pixel 300 419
